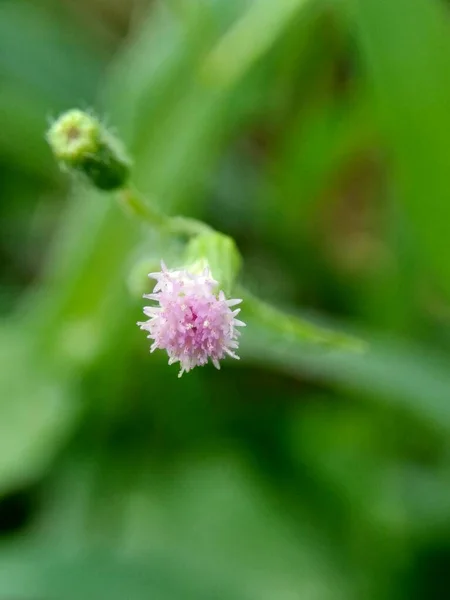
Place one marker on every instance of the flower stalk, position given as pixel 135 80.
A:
pixel 191 318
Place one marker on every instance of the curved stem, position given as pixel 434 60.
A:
pixel 146 211
pixel 187 226
pixel 293 327
pixel 288 326
pixel 133 203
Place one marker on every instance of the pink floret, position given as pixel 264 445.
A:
pixel 190 321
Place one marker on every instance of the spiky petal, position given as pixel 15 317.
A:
pixel 190 320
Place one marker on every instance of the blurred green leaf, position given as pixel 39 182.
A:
pixel 175 120
pixel 209 528
pixel 22 120
pixel 392 373
pixel 315 151
pixel 36 573
pixel 247 40
pixel 38 411
pixel 406 51
pixel 47 54
pixel 172 124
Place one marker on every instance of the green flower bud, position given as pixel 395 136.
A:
pixel 219 252
pixel 82 144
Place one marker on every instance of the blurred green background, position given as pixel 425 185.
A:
pixel 317 134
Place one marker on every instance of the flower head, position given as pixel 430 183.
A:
pixel 73 136
pixel 191 321
pixel 82 144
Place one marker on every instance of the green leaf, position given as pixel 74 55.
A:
pixel 406 49
pixel 247 40
pixel 38 411
pixel 41 572
pixel 208 531
pixel 392 373
pixel 63 67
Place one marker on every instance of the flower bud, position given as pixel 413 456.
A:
pixel 82 144
pixel 217 251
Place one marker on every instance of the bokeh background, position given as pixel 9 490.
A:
pixel 317 134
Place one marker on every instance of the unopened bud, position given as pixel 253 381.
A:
pixel 219 253
pixel 81 143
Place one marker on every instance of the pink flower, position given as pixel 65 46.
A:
pixel 191 321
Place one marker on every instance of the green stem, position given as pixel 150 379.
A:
pixel 294 328
pixel 146 211
pixel 133 203
pixel 288 326
pixel 188 226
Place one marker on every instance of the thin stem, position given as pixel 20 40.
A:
pixel 146 211
pixel 293 327
pixel 288 326
pixel 133 203
pixel 188 226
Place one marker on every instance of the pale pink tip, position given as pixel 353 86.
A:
pixel 190 321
